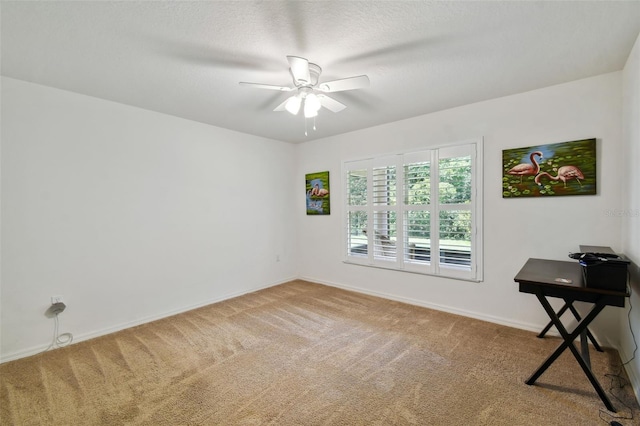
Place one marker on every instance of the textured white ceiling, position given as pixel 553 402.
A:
pixel 186 58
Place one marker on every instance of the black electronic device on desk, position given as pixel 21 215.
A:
pixel 602 268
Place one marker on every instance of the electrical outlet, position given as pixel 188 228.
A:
pixel 56 299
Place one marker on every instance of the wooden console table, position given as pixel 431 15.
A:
pixel 553 278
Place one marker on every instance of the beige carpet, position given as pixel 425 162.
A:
pixel 307 354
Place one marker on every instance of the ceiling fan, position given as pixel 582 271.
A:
pixel 310 92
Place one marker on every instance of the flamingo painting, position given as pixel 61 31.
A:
pixel 317 193
pixel 565 173
pixel 526 169
pixel 542 167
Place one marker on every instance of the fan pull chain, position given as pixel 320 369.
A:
pixel 306 133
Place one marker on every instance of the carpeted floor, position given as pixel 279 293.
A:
pixel 308 354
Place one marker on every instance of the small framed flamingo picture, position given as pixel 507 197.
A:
pixel 566 168
pixel 318 197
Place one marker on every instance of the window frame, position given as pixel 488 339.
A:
pixel 399 259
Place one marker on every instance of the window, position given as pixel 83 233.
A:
pixel 417 212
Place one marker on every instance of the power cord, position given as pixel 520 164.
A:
pixel 59 340
pixel 622 382
pixel 635 342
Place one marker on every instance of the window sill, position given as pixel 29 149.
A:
pixel 365 263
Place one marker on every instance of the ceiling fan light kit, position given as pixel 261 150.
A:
pixel 306 82
pixel 311 105
pixel 293 104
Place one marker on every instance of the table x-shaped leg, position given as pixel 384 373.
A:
pixel 568 304
pixel 568 343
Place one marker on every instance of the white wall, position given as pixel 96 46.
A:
pixel 630 209
pixel 514 229
pixel 131 215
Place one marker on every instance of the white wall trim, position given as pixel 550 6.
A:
pixel 527 326
pixel 632 373
pixel 102 332
pixel 444 308
pixel 633 377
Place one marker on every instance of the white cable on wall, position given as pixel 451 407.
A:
pixel 59 340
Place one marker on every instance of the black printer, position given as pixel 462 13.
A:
pixel 603 268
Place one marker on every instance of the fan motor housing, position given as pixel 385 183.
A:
pixel 314 73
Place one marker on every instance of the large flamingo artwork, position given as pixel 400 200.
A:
pixel 565 173
pixel 541 168
pixel 526 169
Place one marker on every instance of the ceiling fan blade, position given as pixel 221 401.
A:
pixel 331 104
pixel 299 70
pixel 349 83
pixel 267 86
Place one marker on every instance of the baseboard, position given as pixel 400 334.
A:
pixel 97 333
pixel 471 314
pixel 632 373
